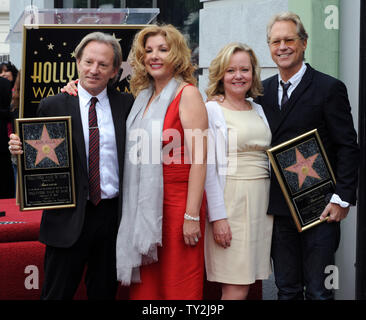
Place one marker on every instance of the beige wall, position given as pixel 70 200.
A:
pixel 4 26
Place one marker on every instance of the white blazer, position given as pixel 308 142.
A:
pixel 217 158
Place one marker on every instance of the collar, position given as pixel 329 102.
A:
pixel 85 96
pixel 296 78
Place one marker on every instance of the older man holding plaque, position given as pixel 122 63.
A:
pixel 296 101
pixel 86 235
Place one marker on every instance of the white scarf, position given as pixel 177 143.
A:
pixel 140 231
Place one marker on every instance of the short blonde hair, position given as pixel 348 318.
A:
pixel 221 62
pixel 179 56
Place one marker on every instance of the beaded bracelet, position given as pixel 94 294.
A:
pixel 188 217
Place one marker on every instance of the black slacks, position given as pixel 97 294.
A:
pixel 7 186
pixel 94 251
pixel 300 259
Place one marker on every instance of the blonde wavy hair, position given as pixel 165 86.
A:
pixel 219 65
pixel 179 56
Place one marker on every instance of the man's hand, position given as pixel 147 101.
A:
pixel 334 212
pixel 15 145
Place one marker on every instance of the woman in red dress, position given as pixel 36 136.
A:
pixel 160 239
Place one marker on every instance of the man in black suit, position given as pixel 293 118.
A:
pixel 86 235
pixel 313 100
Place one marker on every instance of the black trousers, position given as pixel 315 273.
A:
pixel 300 259
pixel 7 186
pixel 94 251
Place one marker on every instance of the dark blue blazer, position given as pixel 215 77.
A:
pixel 318 102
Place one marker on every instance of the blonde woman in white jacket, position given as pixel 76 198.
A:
pixel 238 230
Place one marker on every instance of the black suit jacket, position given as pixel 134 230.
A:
pixel 5 98
pixel 318 102
pixel 6 170
pixel 62 227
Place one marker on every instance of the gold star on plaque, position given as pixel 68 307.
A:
pixel 50 46
pixel 72 54
pixel 45 147
pixel 303 167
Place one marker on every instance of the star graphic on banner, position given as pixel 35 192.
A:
pixel 50 46
pixel 118 39
pixel 303 167
pixel 127 70
pixel 72 54
pixel 45 146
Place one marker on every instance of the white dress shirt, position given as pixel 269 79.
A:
pixel 108 162
pixel 295 80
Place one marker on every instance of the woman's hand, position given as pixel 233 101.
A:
pixel 222 232
pixel 71 88
pixel 191 232
pixel 15 145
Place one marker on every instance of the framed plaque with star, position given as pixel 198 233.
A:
pixel 45 169
pixel 306 178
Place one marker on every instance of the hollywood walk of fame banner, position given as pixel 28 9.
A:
pixel 45 169
pixel 305 176
pixel 49 59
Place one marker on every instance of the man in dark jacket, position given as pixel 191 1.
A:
pixel 7 178
pixel 296 101
pixel 86 235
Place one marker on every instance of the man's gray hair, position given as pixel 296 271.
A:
pixel 103 38
pixel 288 16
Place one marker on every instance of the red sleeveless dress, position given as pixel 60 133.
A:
pixel 179 272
